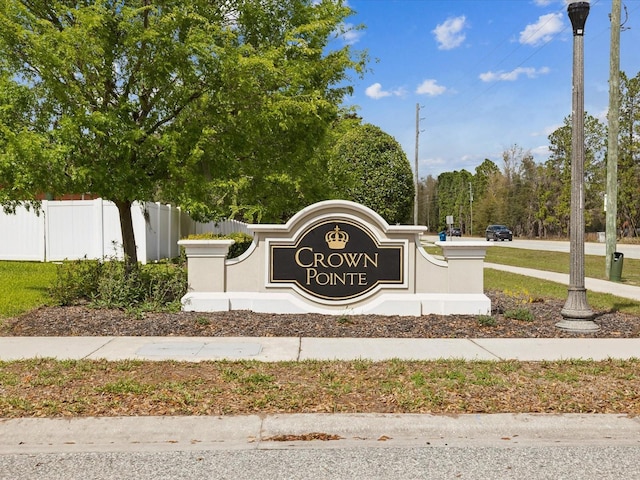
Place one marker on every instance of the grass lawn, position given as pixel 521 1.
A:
pixel 47 387
pixel 537 288
pixel 558 262
pixel 594 265
pixel 23 286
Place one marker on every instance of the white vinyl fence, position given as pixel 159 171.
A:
pixel 73 229
pixel 224 228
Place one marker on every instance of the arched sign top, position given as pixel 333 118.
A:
pixel 339 208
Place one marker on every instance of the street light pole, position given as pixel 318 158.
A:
pixel 577 316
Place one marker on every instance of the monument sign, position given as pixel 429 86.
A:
pixel 337 257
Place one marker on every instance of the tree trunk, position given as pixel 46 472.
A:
pixel 126 228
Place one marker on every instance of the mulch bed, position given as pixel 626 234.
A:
pixel 86 321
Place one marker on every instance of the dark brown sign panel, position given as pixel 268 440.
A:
pixel 337 260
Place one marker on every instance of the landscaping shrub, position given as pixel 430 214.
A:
pixel 523 314
pixel 108 285
pixel 487 321
pixel 242 241
pixel 75 281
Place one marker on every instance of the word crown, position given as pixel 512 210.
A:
pixel 336 239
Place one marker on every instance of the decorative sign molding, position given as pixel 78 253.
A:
pixel 336 261
pixel 338 257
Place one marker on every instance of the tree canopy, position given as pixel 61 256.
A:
pixel 216 106
pixel 368 166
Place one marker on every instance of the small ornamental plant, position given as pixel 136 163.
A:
pixel 242 241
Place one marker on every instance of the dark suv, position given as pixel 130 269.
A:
pixel 498 232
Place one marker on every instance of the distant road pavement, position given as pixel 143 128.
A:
pixel 629 250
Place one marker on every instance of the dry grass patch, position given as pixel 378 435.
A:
pixel 49 388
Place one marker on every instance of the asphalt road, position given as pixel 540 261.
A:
pixel 482 463
pixel 374 446
pixel 590 248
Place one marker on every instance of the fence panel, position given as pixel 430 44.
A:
pixel 177 217
pixel 74 229
pixel 224 227
pixel 22 235
pixel 150 239
pixel 112 237
pixel 162 230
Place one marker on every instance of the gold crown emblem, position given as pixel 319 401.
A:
pixel 336 239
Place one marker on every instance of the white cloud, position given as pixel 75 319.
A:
pixel 349 33
pixel 434 162
pixel 548 130
pixel 513 75
pixel 449 34
pixel 376 92
pixel 430 87
pixel 543 3
pixel 540 152
pixel 543 30
pixel 603 115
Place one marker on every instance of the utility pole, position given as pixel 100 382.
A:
pixel 611 206
pixel 417 179
pixel 471 209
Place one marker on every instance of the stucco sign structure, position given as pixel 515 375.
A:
pixel 337 257
pixel 337 260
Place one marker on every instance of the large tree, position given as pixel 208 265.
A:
pixel 368 166
pixel 488 202
pixel 557 172
pixel 629 157
pixel 211 104
pixel 454 198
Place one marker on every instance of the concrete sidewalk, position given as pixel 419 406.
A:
pixel 273 349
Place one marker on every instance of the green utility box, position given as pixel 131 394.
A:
pixel 615 271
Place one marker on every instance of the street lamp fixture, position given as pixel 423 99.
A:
pixel 578 13
pixel 577 316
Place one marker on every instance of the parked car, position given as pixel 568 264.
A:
pixel 455 232
pixel 498 232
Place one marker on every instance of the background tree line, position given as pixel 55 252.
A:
pixel 533 199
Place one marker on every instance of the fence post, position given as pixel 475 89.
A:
pixel 45 240
pixel 99 209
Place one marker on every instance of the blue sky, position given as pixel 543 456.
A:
pixel 487 74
